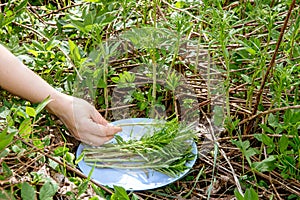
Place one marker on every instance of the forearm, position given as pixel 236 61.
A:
pixel 16 78
pixel 81 118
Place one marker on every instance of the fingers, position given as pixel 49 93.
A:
pixel 112 130
pixel 95 134
pixel 100 130
pixel 99 134
pixel 102 124
pixel 96 117
pixel 94 140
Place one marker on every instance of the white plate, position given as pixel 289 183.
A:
pixel 133 180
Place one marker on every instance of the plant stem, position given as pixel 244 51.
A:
pixel 154 66
pixel 272 62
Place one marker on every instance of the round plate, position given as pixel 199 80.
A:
pixel 133 180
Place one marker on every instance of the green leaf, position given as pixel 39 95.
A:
pixel 38 144
pixel 246 78
pixel 60 151
pixel 287 116
pixel 218 117
pixel 82 187
pixel 33 52
pixel 250 152
pixel 79 158
pixel 267 140
pixel 54 165
pixel 4 112
pixel 69 157
pixel 250 194
pixel 238 195
pixel 93 1
pixel 50 44
pixel 94 198
pixel 1 19
pixel 272 120
pixel 120 194
pixel 129 77
pixel 25 128
pixel 243 145
pixel 134 197
pixel 38 45
pixel 292 196
pixel 142 105
pixel 279 129
pixel 20 6
pixel 6 194
pixel 283 143
pixel 179 4
pixel 27 192
pixel 48 190
pixel 101 83
pixel 16 148
pixel 250 50
pixel 98 190
pixel 275 34
pixel 4 153
pixel 74 50
pixel 5 138
pixel 30 111
pixel 115 79
pixel 42 105
pixel 295 117
pixel 138 96
pixel 6 172
pixel 266 128
pixel 266 165
pixel 88 19
pixel 258 137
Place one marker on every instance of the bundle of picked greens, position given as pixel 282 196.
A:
pixel 166 150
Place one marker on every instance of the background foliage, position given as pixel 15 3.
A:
pixel 256 157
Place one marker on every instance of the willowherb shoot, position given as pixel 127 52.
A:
pixel 167 150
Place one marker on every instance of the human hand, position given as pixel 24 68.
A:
pixel 82 120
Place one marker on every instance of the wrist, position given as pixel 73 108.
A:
pixel 59 103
